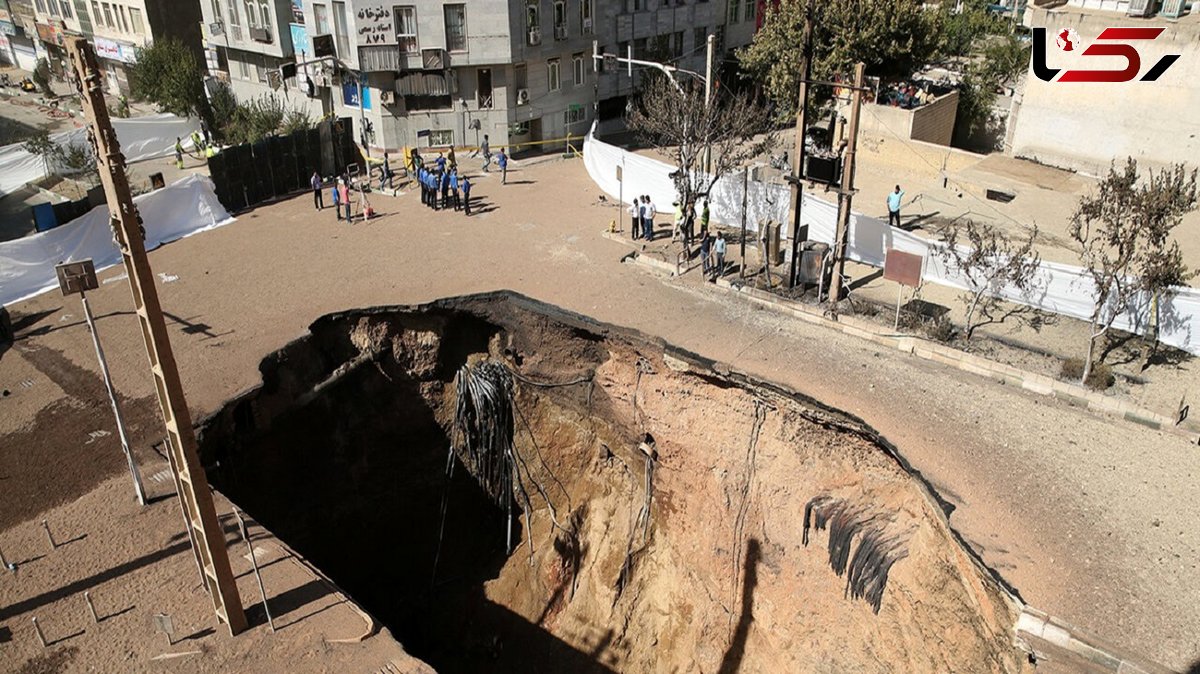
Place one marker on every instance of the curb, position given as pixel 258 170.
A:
pixel 1073 394
pixel 1046 636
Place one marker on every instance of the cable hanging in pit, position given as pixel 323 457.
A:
pixel 482 438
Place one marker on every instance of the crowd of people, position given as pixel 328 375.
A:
pixel 905 95
pixel 642 212
pixel 441 184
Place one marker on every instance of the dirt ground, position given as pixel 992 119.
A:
pixel 1090 519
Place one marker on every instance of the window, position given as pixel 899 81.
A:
pixel 41 6
pixel 339 30
pixel 441 137
pixel 108 16
pixel 662 46
pixel 406 28
pixel 574 115
pixel 252 13
pixel 234 19
pixel 678 40
pixel 244 70
pixel 135 20
pixel 751 7
pixel 96 12
pixel 636 5
pixel 580 73
pixel 560 20
pixel 520 76
pixel 533 23
pixel 622 51
pixel 552 70
pixel 639 47
pixel 456 27
pixel 734 7
pixel 586 10
pixel 699 38
pixel 124 17
pixel 265 11
pixel 66 8
pixel 321 17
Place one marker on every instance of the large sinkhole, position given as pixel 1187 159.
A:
pixel 510 487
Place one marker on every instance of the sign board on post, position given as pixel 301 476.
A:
pixel 904 269
pixel 76 277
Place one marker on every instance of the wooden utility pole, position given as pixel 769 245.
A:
pixel 846 191
pixel 798 151
pixel 209 538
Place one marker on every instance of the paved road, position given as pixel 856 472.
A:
pixel 1092 520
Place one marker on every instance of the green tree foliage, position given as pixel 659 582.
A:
pixel 892 37
pixel 252 121
pixel 40 145
pixel 224 109
pixel 168 75
pixel 994 62
pixel 1123 232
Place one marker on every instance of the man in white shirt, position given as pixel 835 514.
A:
pixel 651 211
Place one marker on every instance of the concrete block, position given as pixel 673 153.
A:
pixel 1143 420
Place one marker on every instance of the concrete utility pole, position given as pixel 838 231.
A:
pixel 846 191
pixel 797 177
pixel 128 233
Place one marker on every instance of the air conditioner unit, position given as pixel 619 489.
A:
pixel 434 59
pixel 522 97
pixel 387 97
pixel 322 46
pixel 260 34
pixel 1172 9
pixel 560 32
pixel 1141 7
pixel 587 25
pixel 535 36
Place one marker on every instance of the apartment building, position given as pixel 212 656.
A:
pixel 422 73
pixel 55 20
pixel 248 43
pixel 18 34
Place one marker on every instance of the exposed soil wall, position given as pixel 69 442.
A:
pixel 342 452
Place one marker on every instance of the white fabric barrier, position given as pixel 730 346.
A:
pixel 1062 289
pixel 140 137
pixel 181 209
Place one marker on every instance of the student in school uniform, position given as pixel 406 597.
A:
pixel 465 183
pixel 445 184
pixel 454 190
pixel 336 194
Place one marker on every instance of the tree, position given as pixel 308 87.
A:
pixel 989 262
pixel 40 145
pixel 996 61
pixel 41 77
pixel 1123 232
pixel 892 37
pixel 168 75
pixel 679 124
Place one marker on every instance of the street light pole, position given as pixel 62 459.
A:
pixel 138 487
